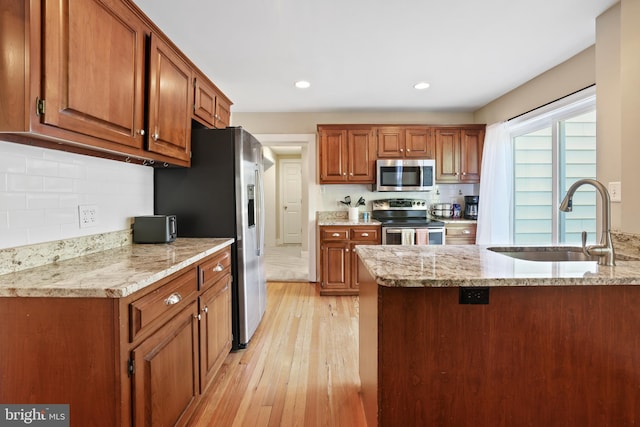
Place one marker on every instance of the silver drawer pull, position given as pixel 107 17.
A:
pixel 205 309
pixel 173 299
pixel 466 232
pixel 365 234
pixel 335 235
pixel 218 267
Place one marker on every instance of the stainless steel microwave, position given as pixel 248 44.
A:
pixel 405 174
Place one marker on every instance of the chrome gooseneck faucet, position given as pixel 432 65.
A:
pixel 604 251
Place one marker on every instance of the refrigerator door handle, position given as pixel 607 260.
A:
pixel 259 201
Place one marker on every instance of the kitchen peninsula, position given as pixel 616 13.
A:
pixel 127 336
pixel 454 335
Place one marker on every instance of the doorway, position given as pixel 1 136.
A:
pixel 305 144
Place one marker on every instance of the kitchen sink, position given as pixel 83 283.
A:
pixel 545 253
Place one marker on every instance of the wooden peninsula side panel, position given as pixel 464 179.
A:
pixel 534 356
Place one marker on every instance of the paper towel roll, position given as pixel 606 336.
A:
pixel 353 214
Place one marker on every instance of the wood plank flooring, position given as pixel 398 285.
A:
pixel 300 368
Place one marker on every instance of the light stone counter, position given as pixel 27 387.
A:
pixel 471 265
pixel 342 218
pixel 111 273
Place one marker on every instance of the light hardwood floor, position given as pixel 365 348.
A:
pixel 300 368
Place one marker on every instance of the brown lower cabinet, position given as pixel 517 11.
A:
pixel 338 258
pixel 463 233
pixel 533 356
pixel 145 359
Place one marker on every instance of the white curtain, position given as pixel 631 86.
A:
pixel 495 219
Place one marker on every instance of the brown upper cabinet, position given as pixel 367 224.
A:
pixel 170 101
pixel 211 107
pixel 87 74
pixel 347 154
pixel 87 88
pixel 459 153
pixel 405 142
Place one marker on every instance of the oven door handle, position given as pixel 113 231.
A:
pixel 395 230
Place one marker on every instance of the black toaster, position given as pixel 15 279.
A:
pixel 154 229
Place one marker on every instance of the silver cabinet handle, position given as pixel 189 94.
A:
pixel 401 150
pixel 408 150
pixel 155 136
pixel 466 232
pixel 173 299
pixel 335 235
pixel 205 309
pixel 365 234
pixel 347 250
pixel 218 267
pixel 140 132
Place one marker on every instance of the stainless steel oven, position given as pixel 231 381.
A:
pixel 397 235
pixel 405 222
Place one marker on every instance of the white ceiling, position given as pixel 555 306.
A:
pixel 366 55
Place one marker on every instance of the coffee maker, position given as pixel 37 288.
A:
pixel 471 207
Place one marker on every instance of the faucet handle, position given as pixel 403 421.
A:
pixel 584 243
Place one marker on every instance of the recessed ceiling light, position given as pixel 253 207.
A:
pixel 421 85
pixel 302 84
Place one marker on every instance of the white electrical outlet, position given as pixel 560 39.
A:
pixel 88 215
pixel 615 191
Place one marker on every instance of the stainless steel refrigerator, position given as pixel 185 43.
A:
pixel 221 195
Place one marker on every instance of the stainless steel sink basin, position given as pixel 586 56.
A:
pixel 545 253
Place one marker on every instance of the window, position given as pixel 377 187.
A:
pixel 553 147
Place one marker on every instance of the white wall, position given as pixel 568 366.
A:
pixel 40 190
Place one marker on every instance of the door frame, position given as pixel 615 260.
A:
pixel 310 188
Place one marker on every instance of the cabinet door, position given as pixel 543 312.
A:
pixel 165 381
pixel 223 112
pixel 93 65
pixel 335 265
pixel 353 260
pixel 362 160
pixel 333 156
pixel 170 95
pixel 204 101
pixel 471 145
pixel 447 154
pixel 215 329
pixel 418 143
pixel 390 142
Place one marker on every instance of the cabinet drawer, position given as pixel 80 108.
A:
pixel 162 303
pixel 334 234
pixel 460 230
pixel 460 234
pixel 362 234
pixel 212 270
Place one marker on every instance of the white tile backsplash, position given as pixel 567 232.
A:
pixel 445 193
pixel 40 191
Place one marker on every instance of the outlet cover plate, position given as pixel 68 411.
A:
pixel 615 191
pixel 88 215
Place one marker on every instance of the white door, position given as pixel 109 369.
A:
pixel 291 197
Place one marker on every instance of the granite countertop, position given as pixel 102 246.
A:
pixel 342 218
pixel 472 265
pixel 112 273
